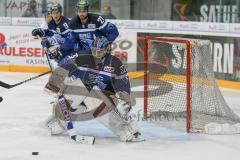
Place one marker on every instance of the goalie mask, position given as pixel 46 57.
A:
pixel 101 46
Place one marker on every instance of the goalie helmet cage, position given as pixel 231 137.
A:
pixel 189 90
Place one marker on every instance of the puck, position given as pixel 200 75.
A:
pixel 35 153
pixel 1 99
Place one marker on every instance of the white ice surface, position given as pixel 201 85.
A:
pixel 25 108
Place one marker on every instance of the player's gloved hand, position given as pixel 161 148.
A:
pixel 55 53
pixel 38 32
pixel 124 105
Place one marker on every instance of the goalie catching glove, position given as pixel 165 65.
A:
pixel 53 48
pixel 55 53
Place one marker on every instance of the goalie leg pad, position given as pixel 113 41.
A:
pixel 58 126
pixel 96 107
pixel 126 130
pixel 55 83
pixel 54 124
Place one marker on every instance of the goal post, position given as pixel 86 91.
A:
pixel 187 89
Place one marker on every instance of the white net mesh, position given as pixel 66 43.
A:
pixel 167 92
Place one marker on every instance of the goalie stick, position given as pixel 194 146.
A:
pixel 64 105
pixel 9 86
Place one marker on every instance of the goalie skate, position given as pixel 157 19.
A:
pixel 136 137
pixel 56 128
pixel 84 139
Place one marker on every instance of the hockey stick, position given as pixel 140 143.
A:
pixel 47 43
pixel 69 124
pixel 8 86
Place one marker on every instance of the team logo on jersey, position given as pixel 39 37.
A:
pixel 85 36
pixel 94 77
pixel 108 69
pixel 91 26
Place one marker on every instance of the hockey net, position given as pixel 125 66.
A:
pixel 179 81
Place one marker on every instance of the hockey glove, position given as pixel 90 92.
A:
pixel 55 53
pixel 38 32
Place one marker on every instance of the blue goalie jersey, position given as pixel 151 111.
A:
pixel 109 74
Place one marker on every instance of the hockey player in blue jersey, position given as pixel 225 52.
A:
pixel 83 26
pixel 59 23
pixel 106 72
pixel 58 47
pixel 86 25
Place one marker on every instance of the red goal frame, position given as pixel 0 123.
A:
pixel 188 74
